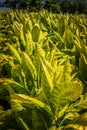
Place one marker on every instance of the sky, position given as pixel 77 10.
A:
pixel 2 0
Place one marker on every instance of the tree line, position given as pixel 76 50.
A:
pixel 56 6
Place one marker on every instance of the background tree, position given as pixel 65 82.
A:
pixel 35 5
pixel 52 5
pixel 71 6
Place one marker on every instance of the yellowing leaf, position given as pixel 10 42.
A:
pixel 35 33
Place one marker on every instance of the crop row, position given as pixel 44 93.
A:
pixel 43 66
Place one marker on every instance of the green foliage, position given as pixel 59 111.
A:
pixel 44 56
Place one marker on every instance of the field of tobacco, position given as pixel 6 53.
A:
pixel 43 71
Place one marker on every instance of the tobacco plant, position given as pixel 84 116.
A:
pixel 44 56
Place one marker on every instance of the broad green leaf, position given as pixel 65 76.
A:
pixel 14 52
pixel 18 75
pixel 22 38
pixel 81 105
pixel 64 69
pixel 16 106
pixel 29 100
pixel 47 74
pixel 11 86
pixel 65 93
pixel 83 67
pixel 45 23
pixel 62 111
pixel 29 64
pixel 83 119
pixel 40 51
pixel 38 120
pixel 7 87
pixel 35 33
